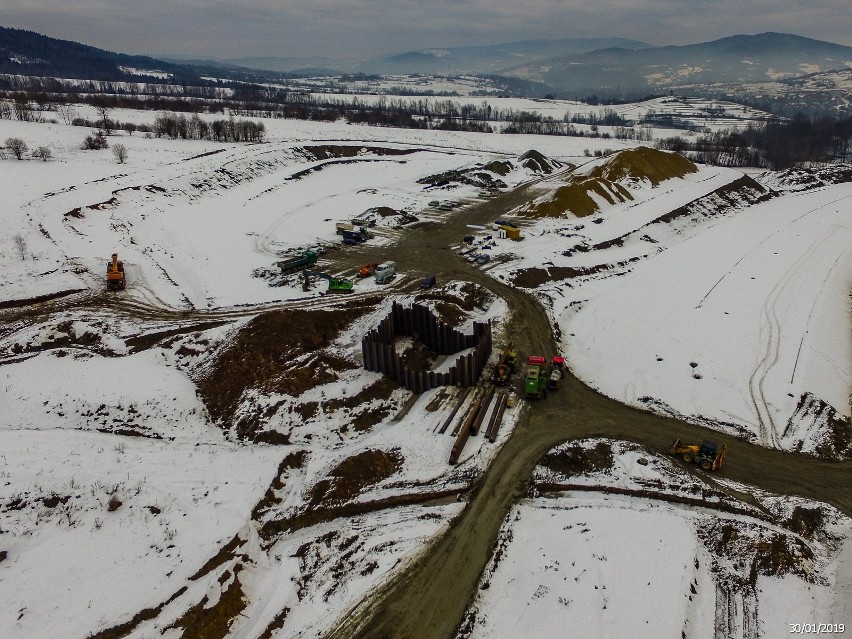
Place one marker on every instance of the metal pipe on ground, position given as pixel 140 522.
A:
pixel 497 418
pixel 452 416
pixel 464 431
pixel 467 413
pixel 474 427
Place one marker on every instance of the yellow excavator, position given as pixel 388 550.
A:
pixel 709 455
pixel 115 274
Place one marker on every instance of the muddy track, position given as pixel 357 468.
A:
pixel 428 598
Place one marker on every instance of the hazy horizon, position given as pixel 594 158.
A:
pixel 373 28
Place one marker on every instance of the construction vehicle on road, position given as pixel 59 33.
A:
pixel 554 378
pixel 556 372
pixel 535 383
pixel 115 274
pixel 709 455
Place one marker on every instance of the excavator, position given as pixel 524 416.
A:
pixel 335 284
pixel 709 455
pixel 115 274
pixel 505 366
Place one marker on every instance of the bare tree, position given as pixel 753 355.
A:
pixel 120 153
pixel 43 153
pixel 17 147
pixel 103 116
pixel 67 112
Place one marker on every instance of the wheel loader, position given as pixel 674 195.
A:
pixel 709 455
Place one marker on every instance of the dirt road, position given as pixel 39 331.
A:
pixel 428 599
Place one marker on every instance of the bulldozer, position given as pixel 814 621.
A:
pixel 115 274
pixel 709 455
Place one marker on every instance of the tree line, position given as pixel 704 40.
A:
pixel 775 144
pixel 778 144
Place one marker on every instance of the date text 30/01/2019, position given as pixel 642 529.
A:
pixel 816 628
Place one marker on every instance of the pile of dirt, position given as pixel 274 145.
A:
pixel 575 198
pixel 453 306
pixel 808 178
pixel 535 276
pixel 478 177
pixel 380 390
pixel 538 162
pixel 385 212
pixel 833 429
pixel 354 474
pixel 449 312
pixel 271 497
pixel 468 297
pixel 276 352
pixel 760 550
pixel 501 168
pixel 577 460
pixel 418 357
pixel 65 335
pixel 606 182
pixel 644 163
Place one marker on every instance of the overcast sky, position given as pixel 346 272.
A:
pixel 367 28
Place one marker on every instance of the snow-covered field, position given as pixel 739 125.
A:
pixel 83 504
pixel 565 559
pixel 755 294
pixel 732 312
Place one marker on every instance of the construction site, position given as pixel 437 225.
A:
pixel 349 413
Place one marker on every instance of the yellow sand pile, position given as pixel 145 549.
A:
pixel 644 163
pixel 637 164
pixel 576 199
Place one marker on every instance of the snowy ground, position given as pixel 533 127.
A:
pixel 734 312
pixel 83 504
pixel 564 561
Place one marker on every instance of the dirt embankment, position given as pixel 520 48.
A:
pixel 277 352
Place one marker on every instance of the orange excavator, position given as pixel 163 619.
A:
pixel 115 274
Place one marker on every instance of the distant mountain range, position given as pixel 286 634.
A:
pixel 567 68
pixel 28 53
pixel 491 59
pixel 486 59
pixel 736 59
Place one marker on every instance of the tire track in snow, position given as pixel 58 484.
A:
pixel 770 335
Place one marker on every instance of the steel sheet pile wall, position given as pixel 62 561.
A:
pixel 418 322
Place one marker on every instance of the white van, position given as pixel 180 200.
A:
pixel 385 272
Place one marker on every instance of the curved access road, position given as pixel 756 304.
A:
pixel 427 599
